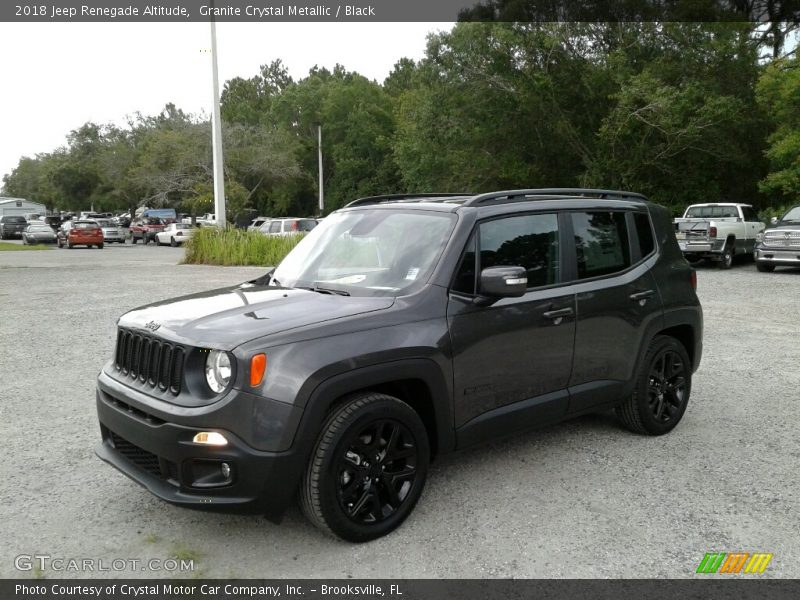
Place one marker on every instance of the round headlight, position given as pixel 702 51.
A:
pixel 218 370
pixel 760 236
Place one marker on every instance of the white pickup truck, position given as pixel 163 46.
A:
pixel 206 220
pixel 717 231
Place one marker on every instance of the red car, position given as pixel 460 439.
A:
pixel 80 233
pixel 146 229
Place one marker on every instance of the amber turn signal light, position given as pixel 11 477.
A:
pixel 258 366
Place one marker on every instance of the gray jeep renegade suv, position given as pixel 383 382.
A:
pixel 401 328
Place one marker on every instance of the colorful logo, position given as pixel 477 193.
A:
pixel 734 562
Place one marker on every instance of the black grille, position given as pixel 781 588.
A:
pixel 141 458
pixel 152 361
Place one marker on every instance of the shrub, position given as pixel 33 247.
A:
pixel 235 247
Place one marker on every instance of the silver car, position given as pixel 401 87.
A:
pixel 111 231
pixel 39 233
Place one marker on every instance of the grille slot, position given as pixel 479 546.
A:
pixel 151 361
pixel 141 458
pixel 782 239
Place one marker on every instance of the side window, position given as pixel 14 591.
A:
pixel 601 241
pixel 750 214
pixel 275 227
pixel 645 233
pixel 465 274
pixel 529 241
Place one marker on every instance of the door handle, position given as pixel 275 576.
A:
pixel 557 315
pixel 641 297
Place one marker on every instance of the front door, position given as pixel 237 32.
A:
pixel 515 355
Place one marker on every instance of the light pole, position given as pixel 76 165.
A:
pixel 216 132
pixel 321 191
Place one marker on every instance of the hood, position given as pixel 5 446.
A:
pixel 786 227
pixel 228 317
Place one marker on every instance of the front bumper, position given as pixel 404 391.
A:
pixel 789 258
pixel 161 456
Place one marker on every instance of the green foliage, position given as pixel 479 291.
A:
pixel 682 111
pixel 779 93
pixel 7 247
pixel 232 247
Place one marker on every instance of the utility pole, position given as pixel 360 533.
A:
pixel 321 191
pixel 216 133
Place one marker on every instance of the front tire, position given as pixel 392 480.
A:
pixel 663 387
pixel 173 243
pixel 764 267
pixel 368 468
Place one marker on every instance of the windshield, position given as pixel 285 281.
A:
pixel 14 220
pixel 792 215
pixel 104 223
pixel 39 228
pixel 368 252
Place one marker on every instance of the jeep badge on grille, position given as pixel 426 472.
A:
pixel 153 326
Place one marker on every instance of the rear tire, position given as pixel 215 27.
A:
pixel 727 256
pixel 663 387
pixel 134 239
pixel 764 267
pixel 368 468
pixel 99 246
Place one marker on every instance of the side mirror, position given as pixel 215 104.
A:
pixel 503 282
pixel 774 220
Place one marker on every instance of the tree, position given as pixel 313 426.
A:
pixel 779 95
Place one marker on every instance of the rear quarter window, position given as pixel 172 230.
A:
pixel 601 243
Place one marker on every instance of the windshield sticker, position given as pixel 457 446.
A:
pixel 412 273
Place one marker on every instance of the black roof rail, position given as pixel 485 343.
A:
pixel 400 197
pixel 519 195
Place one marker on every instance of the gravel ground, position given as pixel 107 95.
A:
pixel 582 499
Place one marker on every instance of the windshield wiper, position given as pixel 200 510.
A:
pixel 323 290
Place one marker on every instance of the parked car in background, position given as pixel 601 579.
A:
pixel 81 233
pixel 256 223
pixel 167 215
pixel 779 245
pixel 123 220
pixel 39 233
pixel 174 234
pixel 288 226
pixel 145 229
pixel 207 219
pixel 717 231
pixel 53 221
pixel 112 233
pixel 12 226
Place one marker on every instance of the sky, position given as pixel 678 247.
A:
pixel 58 76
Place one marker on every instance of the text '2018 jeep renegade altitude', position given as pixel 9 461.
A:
pixel 400 328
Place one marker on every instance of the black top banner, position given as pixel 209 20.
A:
pixel 399 10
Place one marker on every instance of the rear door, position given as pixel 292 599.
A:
pixel 616 297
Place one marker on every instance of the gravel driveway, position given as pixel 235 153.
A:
pixel 582 499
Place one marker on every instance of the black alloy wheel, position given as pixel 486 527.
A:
pixel 368 468
pixel 663 387
pixel 376 471
pixel 666 386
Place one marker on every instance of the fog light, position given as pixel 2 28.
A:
pixel 210 438
pixel 225 468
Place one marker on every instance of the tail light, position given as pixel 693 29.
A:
pixel 712 232
pixel 693 277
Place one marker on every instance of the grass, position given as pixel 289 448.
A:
pixel 17 247
pixel 234 247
